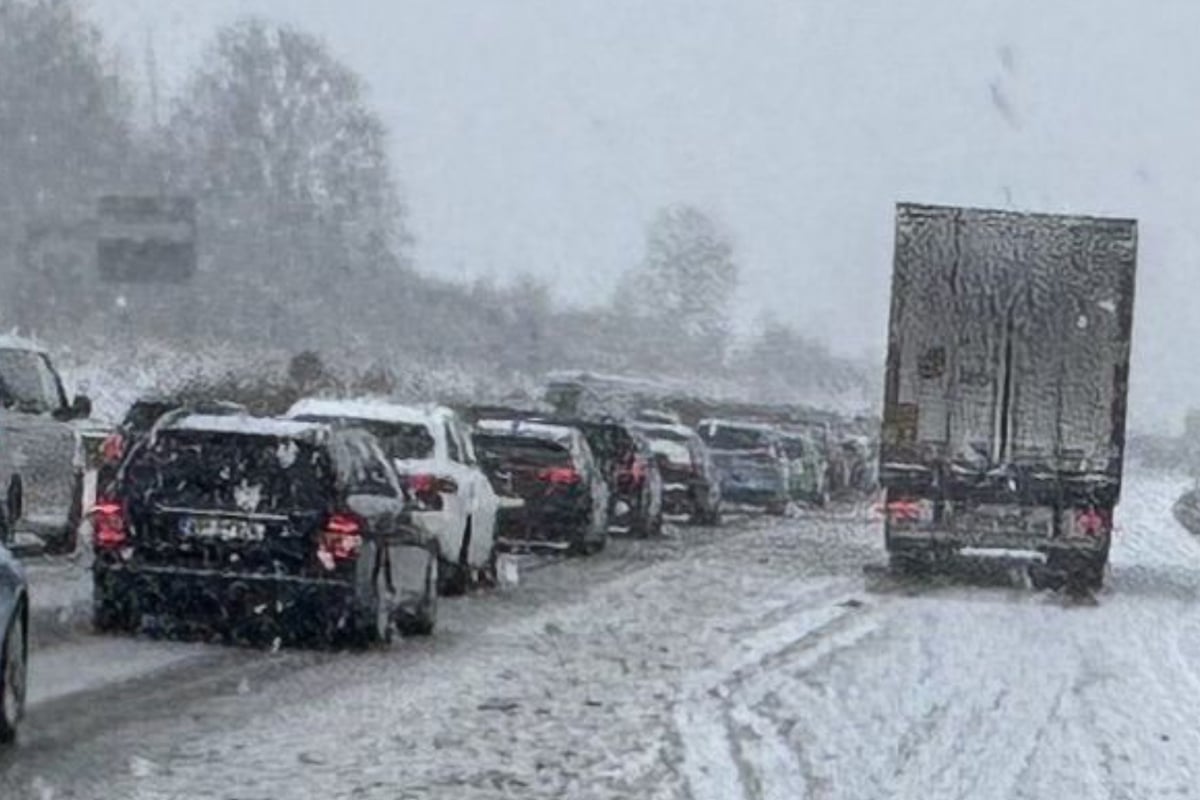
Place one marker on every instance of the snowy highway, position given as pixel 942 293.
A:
pixel 766 658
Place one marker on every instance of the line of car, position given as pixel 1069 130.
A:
pixel 343 521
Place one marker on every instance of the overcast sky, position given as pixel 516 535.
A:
pixel 541 135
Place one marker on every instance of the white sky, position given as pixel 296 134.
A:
pixel 540 135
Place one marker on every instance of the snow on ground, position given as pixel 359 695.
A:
pixel 756 660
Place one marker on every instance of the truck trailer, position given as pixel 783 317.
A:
pixel 1006 384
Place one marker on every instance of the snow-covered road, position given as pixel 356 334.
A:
pixel 756 660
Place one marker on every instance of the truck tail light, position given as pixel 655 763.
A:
pixel 1092 522
pixel 908 510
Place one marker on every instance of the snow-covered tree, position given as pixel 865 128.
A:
pixel 64 138
pixel 275 137
pixel 685 283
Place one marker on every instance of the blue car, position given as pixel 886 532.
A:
pixel 750 460
pixel 14 620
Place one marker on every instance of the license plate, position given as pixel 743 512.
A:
pixel 1038 521
pixel 223 530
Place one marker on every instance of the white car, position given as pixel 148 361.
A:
pixel 435 458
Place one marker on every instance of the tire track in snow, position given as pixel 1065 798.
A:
pixel 720 763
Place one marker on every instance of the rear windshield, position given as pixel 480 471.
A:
pixel 666 434
pixel 143 414
pixel 399 440
pixel 722 437
pixel 230 472
pixel 674 451
pixel 609 442
pixel 795 448
pixel 521 450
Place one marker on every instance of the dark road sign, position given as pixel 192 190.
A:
pixel 146 238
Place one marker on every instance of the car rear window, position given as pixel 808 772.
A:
pixel 521 450
pixel 230 472
pixel 399 440
pixel 665 434
pixel 144 413
pixel 609 442
pixel 675 452
pixel 795 448
pixel 723 437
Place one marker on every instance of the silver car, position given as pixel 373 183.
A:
pixel 41 449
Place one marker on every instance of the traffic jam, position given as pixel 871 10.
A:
pixel 340 522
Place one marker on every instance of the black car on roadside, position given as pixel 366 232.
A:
pixel 691 484
pixel 14 639
pixel 551 471
pixel 631 472
pixel 261 530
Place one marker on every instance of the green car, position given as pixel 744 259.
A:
pixel 807 469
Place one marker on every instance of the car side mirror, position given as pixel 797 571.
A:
pixel 81 408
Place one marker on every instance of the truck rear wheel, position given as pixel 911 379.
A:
pixel 1076 572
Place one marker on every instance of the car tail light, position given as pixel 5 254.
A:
pixel 427 490
pixel 113 448
pixel 109 531
pixel 559 476
pixel 341 540
pixel 634 471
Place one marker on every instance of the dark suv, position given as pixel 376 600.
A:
pixel 691 484
pixel 631 472
pixel 551 470
pixel 260 530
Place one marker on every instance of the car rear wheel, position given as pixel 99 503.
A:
pixel 14 500
pixel 13 673
pixel 112 613
pixel 456 576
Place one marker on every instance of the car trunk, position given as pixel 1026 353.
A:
pixel 521 465
pixel 232 503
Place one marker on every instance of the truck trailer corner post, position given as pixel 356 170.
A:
pixel 1006 384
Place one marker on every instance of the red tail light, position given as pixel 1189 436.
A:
pixel 113 448
pixel 1092 522
pixel 560 476
pixel 109 531
pixel 342 537
pixel 634 471
pixel 428 489
pixel 908 510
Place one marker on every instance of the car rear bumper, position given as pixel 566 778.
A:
pixel 754 495
pixel 993 540
pixel 183 601
pixel 548 524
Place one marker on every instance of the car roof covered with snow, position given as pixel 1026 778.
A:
pixel 762 427
pixel 10 341
pixel 375 410
pixel 563 434
pixel 649 428
pixel 247 425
